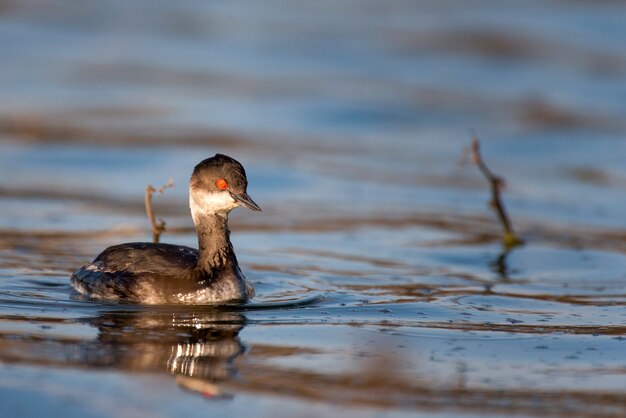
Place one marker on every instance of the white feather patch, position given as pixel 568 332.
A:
pixel 201 202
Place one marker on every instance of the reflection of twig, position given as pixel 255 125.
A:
pixel 157 228
pixel 510 239
pixel 500 264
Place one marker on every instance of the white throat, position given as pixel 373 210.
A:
pixel 209 203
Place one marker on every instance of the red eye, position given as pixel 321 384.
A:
pixel 221 184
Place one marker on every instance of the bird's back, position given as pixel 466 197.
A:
pixel 146 257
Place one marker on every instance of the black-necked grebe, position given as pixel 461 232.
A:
pixel 164 273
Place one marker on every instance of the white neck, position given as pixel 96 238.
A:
pixel 209 203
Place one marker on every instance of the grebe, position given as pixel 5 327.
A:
pixel 165 273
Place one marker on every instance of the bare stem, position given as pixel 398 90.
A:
pixel 157 227
pixel 497 184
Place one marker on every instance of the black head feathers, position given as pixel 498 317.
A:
pixel 208 172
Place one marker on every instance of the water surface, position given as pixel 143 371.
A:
pixel 383 289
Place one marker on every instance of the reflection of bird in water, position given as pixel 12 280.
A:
pixel 164 273
pixel 197 345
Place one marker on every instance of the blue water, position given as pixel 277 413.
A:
pixel 382 289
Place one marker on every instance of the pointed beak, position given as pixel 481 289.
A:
pixel 244 200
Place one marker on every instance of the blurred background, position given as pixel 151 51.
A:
pixel 350 118
pixel 102 97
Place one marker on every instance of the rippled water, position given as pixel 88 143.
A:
pixel 383 289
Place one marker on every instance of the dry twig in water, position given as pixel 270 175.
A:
pixel 157 228
pixel 510 239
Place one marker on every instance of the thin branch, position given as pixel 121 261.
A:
pixel 157 227
pixel 497 184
